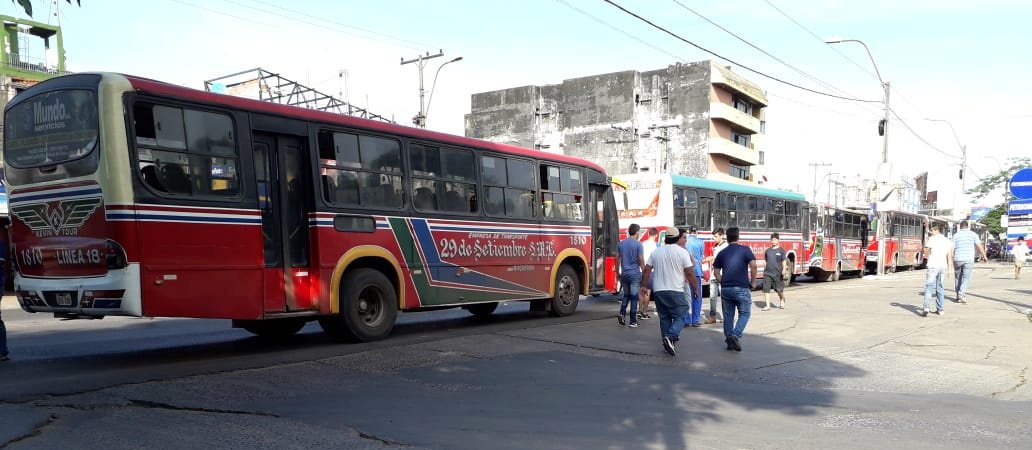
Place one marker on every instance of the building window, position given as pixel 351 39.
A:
pixel 740 139
pixel 762 155
pixel 742 105
pixel 738 171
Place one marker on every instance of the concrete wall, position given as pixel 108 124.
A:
pixel 626 121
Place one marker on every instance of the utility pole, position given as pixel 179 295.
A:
pixel 815 166
pixel 420 120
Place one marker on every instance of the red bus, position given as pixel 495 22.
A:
pixel 657 201
pixel 134 197
pixel 904 235
pixel 838 242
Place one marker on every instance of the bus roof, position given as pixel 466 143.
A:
pixel 681 180
pixel 149 86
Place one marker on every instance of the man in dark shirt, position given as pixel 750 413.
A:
pixel 630 252
pixel 774 264
pixel 735 268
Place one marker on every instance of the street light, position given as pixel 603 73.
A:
pixel 963 150
pixel 434 86
pixel 817 190
pixel 883 129
pixel 420 61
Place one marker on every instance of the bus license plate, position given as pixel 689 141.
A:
pixel 64 299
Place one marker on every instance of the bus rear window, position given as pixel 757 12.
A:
pixel 51 129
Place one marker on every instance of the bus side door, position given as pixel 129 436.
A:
pixel 605 235
pixel 281 168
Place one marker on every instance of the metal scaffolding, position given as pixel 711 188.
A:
pixel 260 84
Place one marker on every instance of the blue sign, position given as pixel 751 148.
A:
pixel 1020 208
pixel 1021 183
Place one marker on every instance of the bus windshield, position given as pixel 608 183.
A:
pixel 51 128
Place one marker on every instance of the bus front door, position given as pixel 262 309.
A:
pixel 605 235
pixel 281 163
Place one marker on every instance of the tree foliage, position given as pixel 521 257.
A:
pixel 991 219
pixel 27 5
pixel 988 184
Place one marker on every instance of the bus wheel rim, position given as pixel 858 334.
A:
pixel 370 306
pixel 566 291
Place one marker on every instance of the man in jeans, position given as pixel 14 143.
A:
pixel 630 251
pixel 695 247
pixel 669 267
pixel 965 244
pixel 735 269
pixel 715 315
pixel 940 257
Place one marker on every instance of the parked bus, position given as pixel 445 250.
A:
pixel 134 197
pixel 904 235
pixel 657 201
pixel 838 242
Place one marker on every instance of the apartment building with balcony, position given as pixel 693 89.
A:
pixel 699 119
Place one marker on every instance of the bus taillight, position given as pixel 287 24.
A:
pixel 115 254
pixel 102 299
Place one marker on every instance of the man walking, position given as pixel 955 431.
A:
pixel 695 247
pixel 1020 253
pixel 668 269
pixel 735 268
pixel 714 285
pixel 774 265
pixel 630 252
pixel 965 244
pixel 940 257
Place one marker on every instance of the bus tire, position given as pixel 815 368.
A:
pixel 566 293
pixel 368 307
pixel 481 309
pixel 274 328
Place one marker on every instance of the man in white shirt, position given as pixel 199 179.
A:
pixel 940 259
pixel 669 268
pixel 1020 253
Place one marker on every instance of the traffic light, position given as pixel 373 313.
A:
pixel 881 127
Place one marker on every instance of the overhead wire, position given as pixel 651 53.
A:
pixel 757 48
pixel 621 31
pixel 919 137
pixel 682 39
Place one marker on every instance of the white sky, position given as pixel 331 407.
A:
pixel 945 59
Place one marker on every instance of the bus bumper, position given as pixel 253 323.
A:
pixel 114 294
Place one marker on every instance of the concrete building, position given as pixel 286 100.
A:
pixel 699 119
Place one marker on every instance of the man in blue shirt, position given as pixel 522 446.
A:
pixel 735 269
pixel 965 243
pixel 695 247
pixel 631 255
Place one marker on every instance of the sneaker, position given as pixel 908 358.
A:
pixel 633 325
pixel 730 345
pixel 620 319
pixel 961 300
pixel 736 344
pixel 644 316
pixel 940 312
pixel 924 312
pixel 696 324
pixel 668 345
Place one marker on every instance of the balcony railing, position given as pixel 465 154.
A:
pixel 723 111
pixel 733 150
pixel 25 62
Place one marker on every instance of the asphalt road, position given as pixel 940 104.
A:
pixel 846 365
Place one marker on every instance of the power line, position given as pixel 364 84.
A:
pixel 834 111
pixel 678 37
pixel 918 136
pixel 736 36
pixel 619 30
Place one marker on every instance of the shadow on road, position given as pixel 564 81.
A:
pixel 916 309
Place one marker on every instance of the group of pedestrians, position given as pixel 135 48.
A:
pixel 672 279
pixel 945 257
